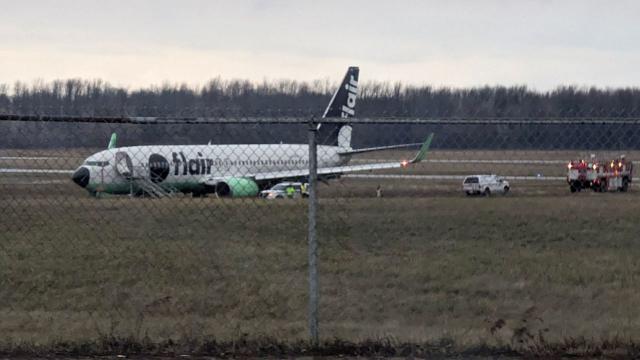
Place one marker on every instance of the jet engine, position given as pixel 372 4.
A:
pixel 237 187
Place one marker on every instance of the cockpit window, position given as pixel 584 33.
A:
pixel 96 163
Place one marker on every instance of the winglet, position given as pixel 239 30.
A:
pixel 422 154
pixel 112 141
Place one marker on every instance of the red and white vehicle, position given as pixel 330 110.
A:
pixel 613 175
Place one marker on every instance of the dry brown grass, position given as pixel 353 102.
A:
pixel 422 264
pixel 418 268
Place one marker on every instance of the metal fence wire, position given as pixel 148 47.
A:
pixel 159 229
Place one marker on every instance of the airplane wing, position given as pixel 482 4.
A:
pixel 334 170
pixel 389 147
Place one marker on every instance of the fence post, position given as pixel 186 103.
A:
pixel 312 239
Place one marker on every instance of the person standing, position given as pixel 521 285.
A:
pixel 379 191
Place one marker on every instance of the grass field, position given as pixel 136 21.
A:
pixel 411 268
pixel 423 263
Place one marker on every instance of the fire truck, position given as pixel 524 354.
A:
pixel 600 176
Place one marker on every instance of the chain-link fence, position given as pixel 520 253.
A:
pixel 199 228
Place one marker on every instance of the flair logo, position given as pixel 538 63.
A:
pixel 349 109
pixel 197 166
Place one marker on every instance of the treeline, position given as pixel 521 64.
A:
pixel 220 97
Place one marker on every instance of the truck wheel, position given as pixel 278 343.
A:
pixel 469 193
pixel 505 190
pixel 487 192
pixel 625 185
pixel 577 185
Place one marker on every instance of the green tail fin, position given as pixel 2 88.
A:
pixel 112 141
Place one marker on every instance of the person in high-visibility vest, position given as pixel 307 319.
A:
pixel 290 191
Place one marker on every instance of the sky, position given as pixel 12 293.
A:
pixel 137 43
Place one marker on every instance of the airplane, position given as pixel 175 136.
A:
pixel 237 170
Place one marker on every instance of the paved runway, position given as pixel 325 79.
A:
pixel 29 158
pixel 34 171
pixel 473 161
pixel 446 177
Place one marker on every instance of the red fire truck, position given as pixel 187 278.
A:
pixel 600 176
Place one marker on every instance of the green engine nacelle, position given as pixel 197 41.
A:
pixel 237 187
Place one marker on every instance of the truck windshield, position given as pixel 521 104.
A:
pixel 280 187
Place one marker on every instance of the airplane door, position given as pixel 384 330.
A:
pixel 124 165
pixel 100 187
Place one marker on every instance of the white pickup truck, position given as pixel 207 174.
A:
pixel 286 190
pixel 485 185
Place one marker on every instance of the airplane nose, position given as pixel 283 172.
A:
pixel 81 177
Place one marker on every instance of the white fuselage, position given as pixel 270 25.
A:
pixel 186 167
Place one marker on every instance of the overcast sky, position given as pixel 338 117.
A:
pixel 540 44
